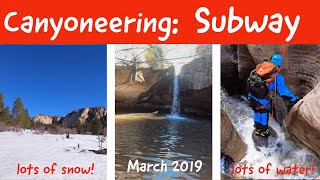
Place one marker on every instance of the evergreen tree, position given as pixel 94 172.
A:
pixel 87 127
pixel 26 114
pixel 1 102
pixel 20 114
pixel 25 119
pixel 79 127
pixel 6 113
pixel 18 109
pixel 1 107
pixel 96 126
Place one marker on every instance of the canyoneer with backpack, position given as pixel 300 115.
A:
pixel 262 84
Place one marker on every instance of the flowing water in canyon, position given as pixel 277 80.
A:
pixel 176 100
pixel 281 153
pixel 175 107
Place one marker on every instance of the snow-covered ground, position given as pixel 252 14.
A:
pixel 43 150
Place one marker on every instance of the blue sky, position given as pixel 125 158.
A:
pixel 53 79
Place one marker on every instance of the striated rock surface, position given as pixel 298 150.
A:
pixel 299 68
pixel 300 65
pixel 47 119
pixel 196 84
pixel 84 115
pixel 260 52
pixel 198 73
pixel 303 121
pixel 128 88
pixel 142 96
pixel 231 143
pixel 246 64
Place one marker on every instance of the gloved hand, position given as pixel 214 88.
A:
pixel 292 103
pixel 272 95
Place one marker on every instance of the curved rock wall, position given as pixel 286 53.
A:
pixel 128 88
pixel 260 52
pixel 232 144
pixel 303 121
pixel 142 96
pixel 246 63
pixel 229 69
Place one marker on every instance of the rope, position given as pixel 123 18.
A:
pixel 273 104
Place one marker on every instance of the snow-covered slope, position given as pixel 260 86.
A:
pixel 43 150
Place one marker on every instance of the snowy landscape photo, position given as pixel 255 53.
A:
pixel 53 112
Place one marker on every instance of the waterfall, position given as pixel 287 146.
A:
pixel 175 110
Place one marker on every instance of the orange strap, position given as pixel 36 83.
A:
pixel 261 107
pixel 284 51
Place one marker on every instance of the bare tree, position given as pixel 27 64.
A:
pixel 102 137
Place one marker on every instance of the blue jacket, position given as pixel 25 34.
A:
pixel 281 88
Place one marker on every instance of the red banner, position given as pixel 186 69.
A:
pixel 145 21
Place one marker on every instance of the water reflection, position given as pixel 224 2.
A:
pixel 151 138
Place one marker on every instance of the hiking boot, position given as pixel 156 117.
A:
pixel 257 132
pixel 265 133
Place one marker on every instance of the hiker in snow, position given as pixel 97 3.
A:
pixel 262 85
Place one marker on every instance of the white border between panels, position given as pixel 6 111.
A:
pixel 110 111
pixel 216 85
